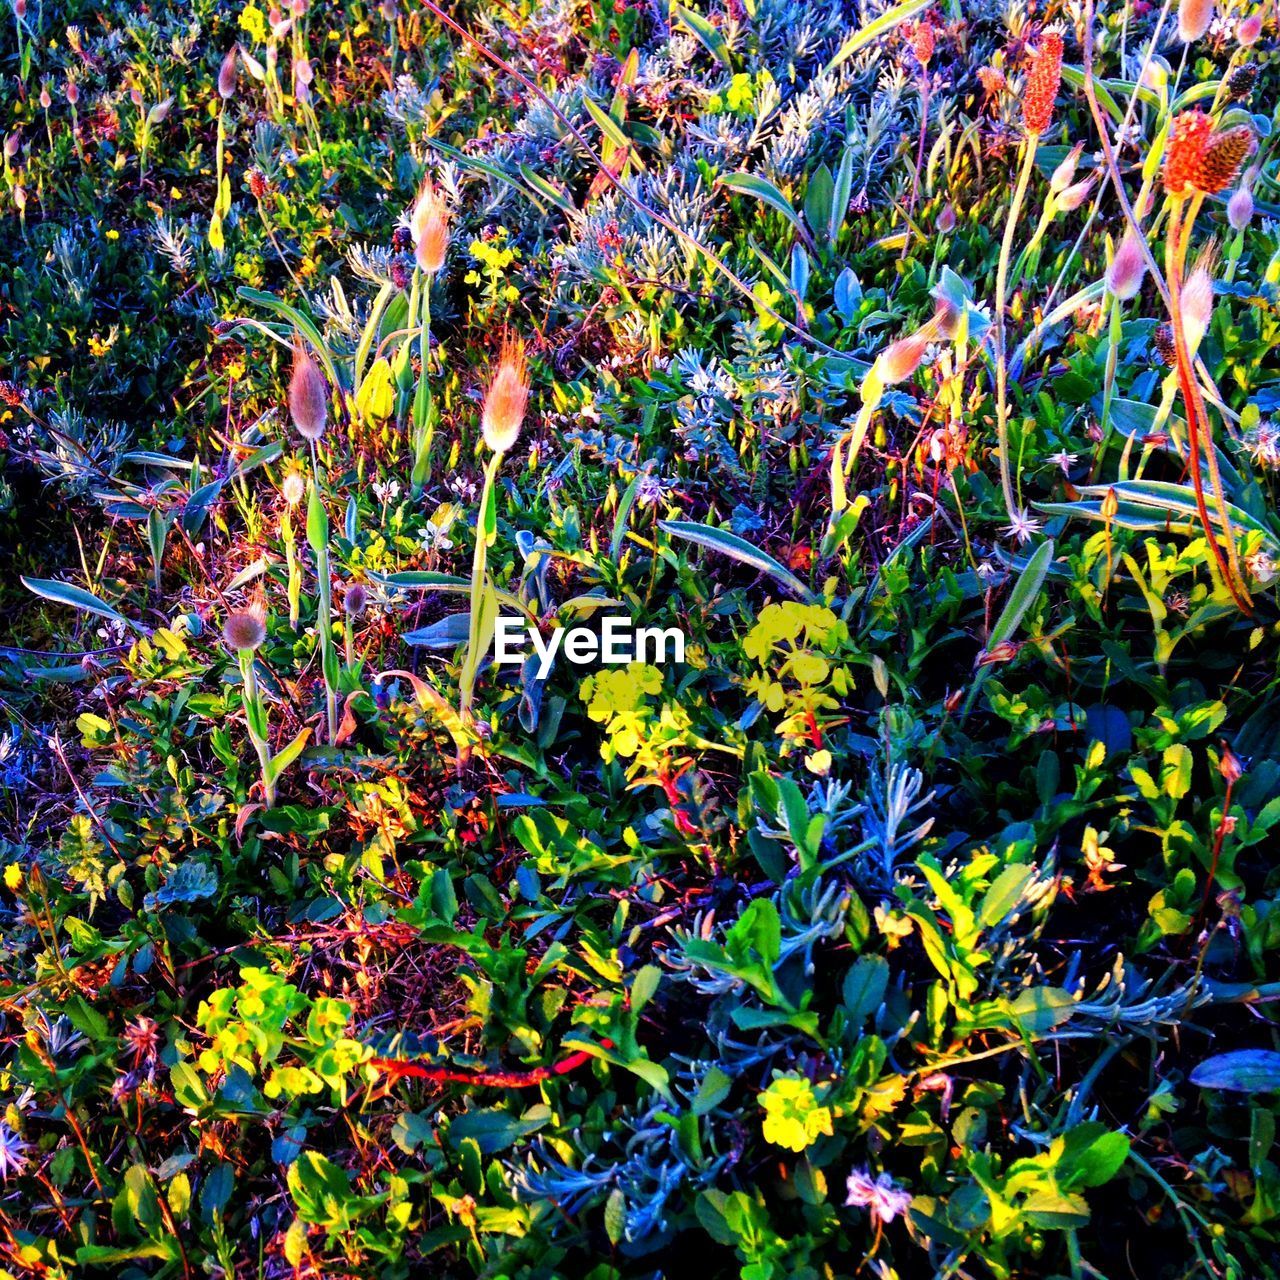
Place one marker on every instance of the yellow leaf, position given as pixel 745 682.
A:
pixel 376 398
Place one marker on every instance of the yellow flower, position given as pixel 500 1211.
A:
pixel 253 23
pixel 113 234
pixel 13 877
pixel 793 1116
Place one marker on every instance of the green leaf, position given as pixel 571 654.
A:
pixel 729 544
pixel 881 26
pixel 1004 894
pixel 287 755
pixel 1240 1071
pixel 1021 598
pixel 707 33
pixel 864 987
pixel 76 597
pixel 607 124
pixel 750 184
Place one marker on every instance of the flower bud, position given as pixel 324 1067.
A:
pixel 46 98
pixel 1074 196
pixel 245 629
pixel 73 92
pixel 1230 765
pixel 227 74
pixel 1240 208
pixel 946 219
pixel 899 360
pixel 505 401
pixel 308 395
pixel 1066 169
pixel 11 144
pixel 1127 270
pixel 1194 17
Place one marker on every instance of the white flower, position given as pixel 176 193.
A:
pixel 13 1152
pixel 434 538
pixel 1064 459
pixel 881 1195
pixel 386 490
pixel 1022 528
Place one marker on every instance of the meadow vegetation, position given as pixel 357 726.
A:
pixel 917 362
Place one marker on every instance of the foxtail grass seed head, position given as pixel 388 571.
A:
pixel 1128 269
pixel 308 395
pixel 1240 208
pixel 1043 80
pixel 1250 29
pixel 1194 17
pixel 899 360
pixel 293 488
pixel 1197 302
pixel 1066 170
pixel 227 75
pixel 355 600
pixel 1199 158
pixel 1075 195
pixel 946 223
pixel 245 629
pixel 429 227
pixel 505 401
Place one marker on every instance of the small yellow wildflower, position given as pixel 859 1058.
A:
pixel 794 1118
pixel 13 877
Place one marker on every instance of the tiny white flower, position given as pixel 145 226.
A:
pixel 1022 528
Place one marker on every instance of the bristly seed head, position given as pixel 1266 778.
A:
pixel 505 401
pixel 245 629
pixel 1043 80
pixel 1197 299
pixel 1194 17
pixel 1202 159
pixel 355 600
pixel 429 227
pixel 308 395
pixel 1128 269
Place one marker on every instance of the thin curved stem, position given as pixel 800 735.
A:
pixel 1002 362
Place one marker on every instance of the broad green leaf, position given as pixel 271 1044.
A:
pixel 882 25
pixel 707 33
pixel 729 544
pixel 76 597
pixel 750 184
pixel 1240 1071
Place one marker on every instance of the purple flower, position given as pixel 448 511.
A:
pixel 881 1195
pixel 13 1152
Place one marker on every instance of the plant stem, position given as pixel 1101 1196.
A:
pixel 1002 363
pixel 1199 438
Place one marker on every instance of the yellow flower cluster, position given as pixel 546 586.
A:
pixel 618 698
pixel 798 647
